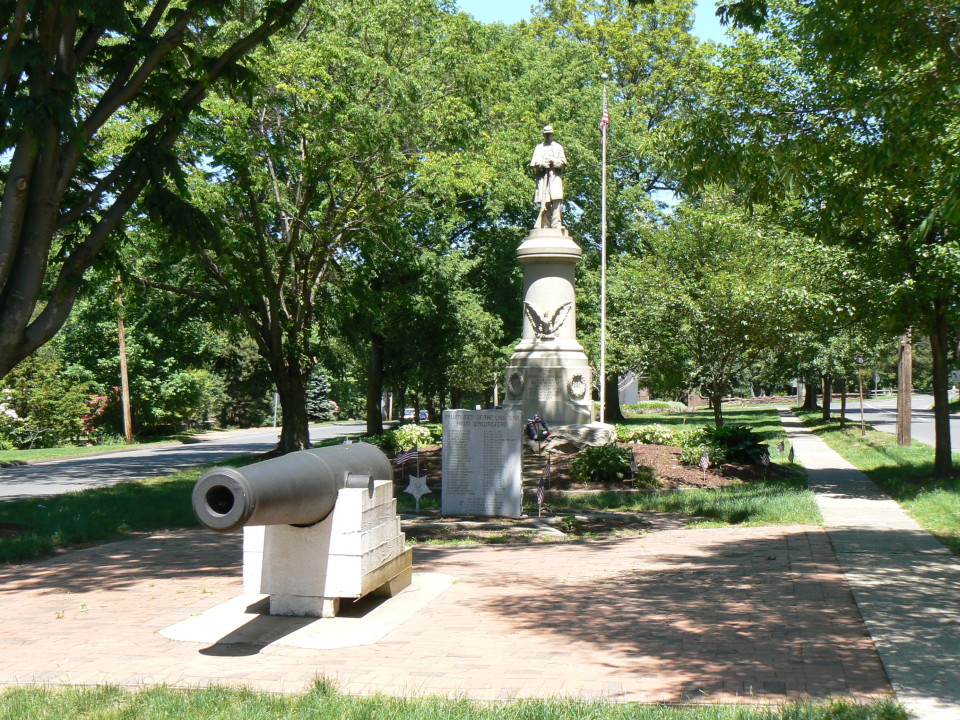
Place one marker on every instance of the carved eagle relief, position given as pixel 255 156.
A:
pixel 547 329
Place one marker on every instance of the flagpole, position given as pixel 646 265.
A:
pixel 603 256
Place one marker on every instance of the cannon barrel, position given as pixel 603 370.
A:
pixel 299 488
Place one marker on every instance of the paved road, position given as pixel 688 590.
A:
pixel 882 414
pixel 59 476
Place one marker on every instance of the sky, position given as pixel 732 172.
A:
pixel 706 25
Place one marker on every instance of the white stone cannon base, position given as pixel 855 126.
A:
pixel 357 550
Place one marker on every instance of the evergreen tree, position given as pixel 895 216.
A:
pixel 320 408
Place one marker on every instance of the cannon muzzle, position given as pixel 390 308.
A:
pixel 299 488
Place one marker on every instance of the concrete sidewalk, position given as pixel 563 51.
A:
pixel 906 584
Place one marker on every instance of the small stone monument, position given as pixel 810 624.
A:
pixel 549 373
pixel 481 463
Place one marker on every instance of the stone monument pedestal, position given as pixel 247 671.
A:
pixel 549 374
pixel 357 550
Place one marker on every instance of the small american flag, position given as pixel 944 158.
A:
pixel 406 456
pixel 604 123
pixel 780 447
pixel 704 461
pixel 547 471
pixel 765 459
pixel 790 456
pixel 633 464
pixel 541 491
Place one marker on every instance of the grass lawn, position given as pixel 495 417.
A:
pixel 774 502
pixel 900 471
pixel 160 703
pixel 99 514
pixel 19 457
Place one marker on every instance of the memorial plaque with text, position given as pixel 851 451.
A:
pixel 481 463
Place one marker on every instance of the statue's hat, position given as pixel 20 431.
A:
pixel 547 129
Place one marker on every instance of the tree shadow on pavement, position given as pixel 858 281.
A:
pixel 769 616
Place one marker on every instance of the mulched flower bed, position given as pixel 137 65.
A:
pixel 662 461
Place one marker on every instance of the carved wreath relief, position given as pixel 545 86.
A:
pixel 515 383
pixel 547 329
pixel 577 387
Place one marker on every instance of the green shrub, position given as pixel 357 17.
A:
pixel 409 435
pixel 385 441
pixel 653 406
pixel 691 455
pixel 692 437
pixel 624 433
pixel 740 443
pixel 607 463
pixel 653 435
pixel 436 434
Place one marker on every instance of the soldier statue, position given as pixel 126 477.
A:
pixel 549 159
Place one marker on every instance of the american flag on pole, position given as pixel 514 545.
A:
pixel 780 447
pixel 633 464
pixel 604 123
pixel 704 461
pixel 406 456
pixel 790 456
pixel 765 459
pixel 547 470
pixel 541 491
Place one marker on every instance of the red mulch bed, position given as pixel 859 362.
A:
pixel 662 460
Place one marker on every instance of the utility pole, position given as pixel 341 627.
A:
pixel 904 388
pixel 863 424
pixel 124 377
pixel 604 125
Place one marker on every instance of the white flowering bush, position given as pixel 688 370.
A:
pixel 10 423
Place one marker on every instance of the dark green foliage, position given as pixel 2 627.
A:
pixel 320 408
pixel 48 401
pixel 739 443
pixel 247 385
pixel 607 463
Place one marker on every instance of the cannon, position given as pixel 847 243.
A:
pixel 299 488
pixel 319 526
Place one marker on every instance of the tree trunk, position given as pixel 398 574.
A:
pixel 716 404
pixel 904 390
pixel 401 402
pixel 295 431
pixel 843 404
pixel 375 385
pixel 939 339
pixel 827 397
pixel 612 412
pixel 810 397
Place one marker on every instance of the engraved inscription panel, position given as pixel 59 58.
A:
pixel 481 462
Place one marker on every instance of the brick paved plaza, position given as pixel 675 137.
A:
pixel 712 615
